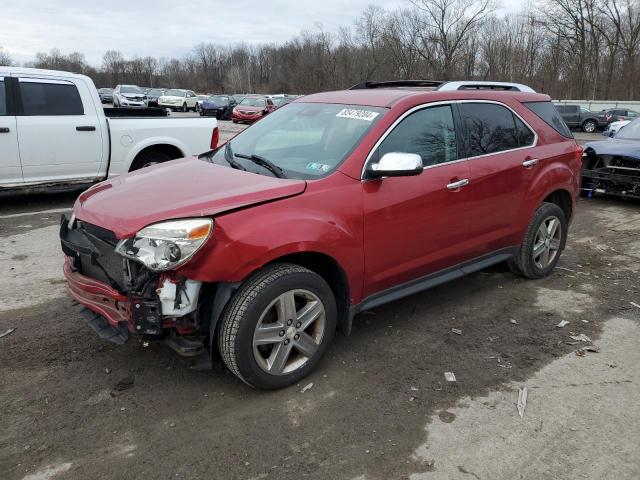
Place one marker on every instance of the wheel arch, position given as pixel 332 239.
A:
pixel 563 199
pixel 320 263
pixel 172 151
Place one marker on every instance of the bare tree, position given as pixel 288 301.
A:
pixel 5 58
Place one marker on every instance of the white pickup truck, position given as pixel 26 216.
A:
pixel 54 131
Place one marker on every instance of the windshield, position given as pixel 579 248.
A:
pixel 154 92
pixel 105 90
pixel 253 102
pixel 175 93
pixel 305 140
pixel 218 100
pixel 130 89
pixel 630 131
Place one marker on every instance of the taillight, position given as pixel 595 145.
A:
pixel 215 138
pixel 578 153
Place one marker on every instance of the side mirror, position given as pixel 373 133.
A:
pixel 396 164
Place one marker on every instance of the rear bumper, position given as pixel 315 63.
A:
pixel 98 297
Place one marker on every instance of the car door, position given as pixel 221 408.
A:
pixel 59 134
pixel 192 99
pixel 10 168
pixel 503 158
pixel 416 225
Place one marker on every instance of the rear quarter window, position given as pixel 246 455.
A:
pixel 548 113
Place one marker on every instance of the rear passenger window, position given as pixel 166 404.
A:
pixel 44 98
pixel 489 128
pixel 547 112
pixel 429 133
pixel 3 98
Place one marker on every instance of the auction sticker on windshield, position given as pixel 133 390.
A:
pixel 357 114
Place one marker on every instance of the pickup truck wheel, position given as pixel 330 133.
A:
pixel 277 327
pixel 146 159
pixel 589 126
pixel 543 243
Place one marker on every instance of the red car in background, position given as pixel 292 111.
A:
pixel 257 251
pixel 252 108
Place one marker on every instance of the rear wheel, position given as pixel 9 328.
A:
pixel 589 126
pixel 147 159
pixel 543 243
pixel 277 327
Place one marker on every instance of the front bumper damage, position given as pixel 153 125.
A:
pixel 121 298
pixel 610 174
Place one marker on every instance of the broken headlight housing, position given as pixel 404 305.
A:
pixel 167 245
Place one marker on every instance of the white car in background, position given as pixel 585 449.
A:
pixel 177 99
pixel 129 96
pixel 614 127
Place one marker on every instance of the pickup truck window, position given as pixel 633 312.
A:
pixel 3 98
pixel 490 128
pixel 49 98
pixel 429 133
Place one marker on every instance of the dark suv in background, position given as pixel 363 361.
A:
pixel 576 116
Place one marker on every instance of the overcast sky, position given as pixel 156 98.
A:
pixel 163 28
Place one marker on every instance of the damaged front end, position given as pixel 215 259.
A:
pixel 611 173
pixel 130 286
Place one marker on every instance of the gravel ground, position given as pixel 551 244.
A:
pixel 379 408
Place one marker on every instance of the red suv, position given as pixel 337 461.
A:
pixel 257 251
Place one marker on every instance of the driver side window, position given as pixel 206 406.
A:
pixel 429 132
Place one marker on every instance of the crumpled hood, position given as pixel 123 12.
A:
pixel 614 146
pixel 188 187
pixel 133 96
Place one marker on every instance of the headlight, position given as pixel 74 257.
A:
pixel 167 245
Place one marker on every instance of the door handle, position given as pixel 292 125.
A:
pixel 4 130
pixel 86 128
pixel 530 163
pixel 459 184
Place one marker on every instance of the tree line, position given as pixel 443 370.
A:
pixel 579 49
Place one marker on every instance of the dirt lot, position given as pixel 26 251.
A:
pixel 379 407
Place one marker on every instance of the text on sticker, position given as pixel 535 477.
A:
pixel 357 114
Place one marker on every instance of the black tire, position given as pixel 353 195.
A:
pixel 589 126
pixel 241 316
pixel 523 263
pixel 184 107
pixel 147 159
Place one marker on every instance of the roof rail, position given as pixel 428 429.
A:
pixel 397 83
pixel 485 85
pixel 446 86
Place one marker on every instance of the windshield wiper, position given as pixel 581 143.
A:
pixel 264 163
pixel 228 156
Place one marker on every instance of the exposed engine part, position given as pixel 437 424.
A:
pixel 179 298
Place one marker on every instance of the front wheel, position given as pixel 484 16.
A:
pixel 184 107
pixel 277 327
pixel 543 243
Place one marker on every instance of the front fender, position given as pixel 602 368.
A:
pixel 244 241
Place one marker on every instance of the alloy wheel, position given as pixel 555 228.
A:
pixel 547 242
pixel 289 332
